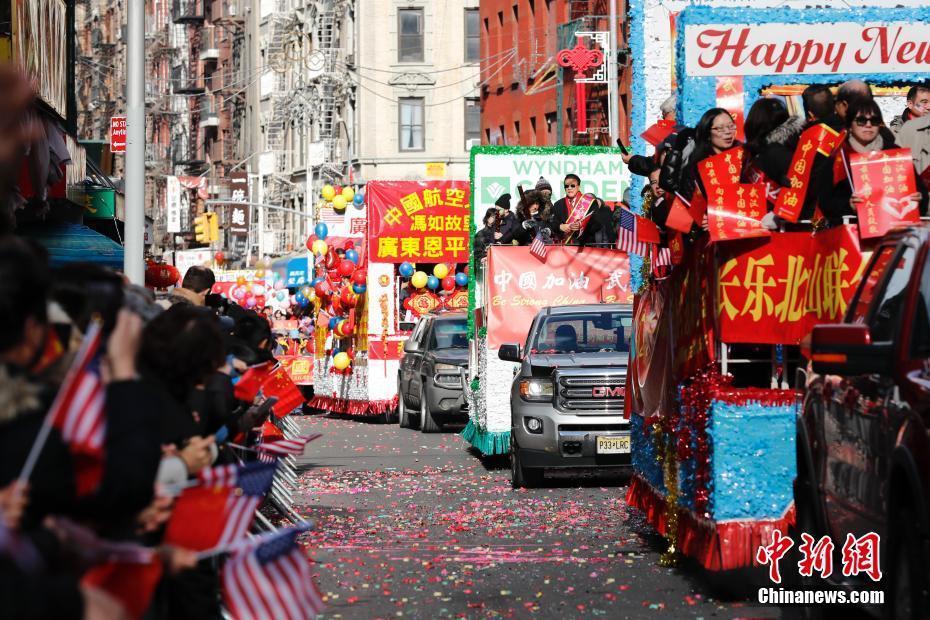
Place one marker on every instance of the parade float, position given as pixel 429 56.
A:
pixel 413 262
pixel 710 393
pixel 512 284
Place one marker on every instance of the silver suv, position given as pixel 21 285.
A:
pixel 567 398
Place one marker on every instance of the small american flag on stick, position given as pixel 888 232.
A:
pixel 269 451
pixel 538 248
pixel 628 239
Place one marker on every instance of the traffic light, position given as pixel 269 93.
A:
pixel 213 226
pixel 202 228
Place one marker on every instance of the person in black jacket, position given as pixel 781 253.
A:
pixel 486 236
pixel 535 218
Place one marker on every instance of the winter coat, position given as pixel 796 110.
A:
pixel 596 231
pixel 915 135
pixel 483 239
pixel 509 226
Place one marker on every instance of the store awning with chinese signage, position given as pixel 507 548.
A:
pixel 70 243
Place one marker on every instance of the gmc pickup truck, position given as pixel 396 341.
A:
pixel 567 397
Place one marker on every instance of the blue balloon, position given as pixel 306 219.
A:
pixel 352 255
pixel 303 302
pixel 358 199
pixel 432 283
pixel 298 296
pixel 406 270
pixel 461 279
pixel 315 281
pixel 334 321
pixel 321 230
pixel 359 288
pixel 281 295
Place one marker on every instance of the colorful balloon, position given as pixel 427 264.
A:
pixel 419 279
pixel 348 297
pixel 352 255
pixel 359 288
pixel 321 230
pixel 432 283
pixel 319 247
pixel 279 284
pixel 441 270
pixel 348 328
pixel 258 290
pixel 322 289
pixel 328 192
pixel 219 257
pixel 341 361
pixel 346 268
pixel 281 295
pixel 334 321
pixel 358 199
pixel 348 193
pixel 448 283
pixel 461 279
pixel 405 269
pixel 340 202
pixel 360 276
pixel 240 280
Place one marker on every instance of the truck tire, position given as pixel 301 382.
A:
pixel 403 414
pixel 905 597
pixel 427 422
pixel 522 477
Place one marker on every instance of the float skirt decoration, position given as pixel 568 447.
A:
pixel 486 442
pixel 352 407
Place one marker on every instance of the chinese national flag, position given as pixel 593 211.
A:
pixel 647 231
pixel 132 584
pixel 280 385
pixel 698 208
pixel 658 132
pixel 198 518
pixel 251 381
pixel 678 217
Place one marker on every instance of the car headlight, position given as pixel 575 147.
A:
pixel 536 389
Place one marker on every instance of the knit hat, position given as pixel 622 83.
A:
pixel 542 184
pixel 503 202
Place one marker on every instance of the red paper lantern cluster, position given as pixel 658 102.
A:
pixel 161 275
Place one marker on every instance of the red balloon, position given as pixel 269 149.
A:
pixel 349 298
pixel 349 245
pixel 360 277
pixel 448 283
pixel 330 260
pixel 346 268
pixel 348 328
pixel 333 275
pixel 322 289
pixel 220 257
pixel 310 241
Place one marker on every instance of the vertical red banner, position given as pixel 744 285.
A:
pixel 730 98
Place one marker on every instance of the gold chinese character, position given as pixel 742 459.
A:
pixel 758 301
pixel 393 216
pixel 419 223
pixel 791 308
pixel 436 223
pixel 432 247
pixel 411 203
pixel 410 246
pixel 431 198
pixel 455 197
pixel 456 246
pixel 453 223
pixel 388 247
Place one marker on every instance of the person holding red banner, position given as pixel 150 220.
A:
pixel 714 134
pixel 864 125
pixel 575 230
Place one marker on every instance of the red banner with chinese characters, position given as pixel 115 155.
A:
pixel 730 98
pixel 721 169
pixel 384 350
pixel 774 291
pixel 735 211
pixel 819 138
pixel 418 221
pixel 298 367
pixel 519 285
pixel 885 180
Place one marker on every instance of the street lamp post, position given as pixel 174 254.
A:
pixel 133 238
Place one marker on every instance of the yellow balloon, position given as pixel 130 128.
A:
pixel 319 247
pixel 328 192
pixel 441 270
pixel 419 279
pixel 341 361
pixel 340 202
pixel 260 274
pixel 348 193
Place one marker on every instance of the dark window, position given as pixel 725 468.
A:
pixel 472 120
pixel 533 7
pixel 516 13
pixel 472 36
pixel 500 18
pixel 451 334
pixel 588 333
pixel 411 124
pixel 920 340
pixel 516 130
pixel 870 284
pixel 410 35
pixel 889 309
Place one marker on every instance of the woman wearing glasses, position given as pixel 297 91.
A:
pixel 715 133
pixel 864 125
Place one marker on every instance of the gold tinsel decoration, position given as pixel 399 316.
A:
pixel 667 457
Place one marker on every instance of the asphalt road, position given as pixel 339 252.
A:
pixel 417 526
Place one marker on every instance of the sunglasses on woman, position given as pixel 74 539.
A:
pixel 862 121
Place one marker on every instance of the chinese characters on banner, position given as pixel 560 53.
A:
pixel 735 211
pixel 775 292
pixel 730 98
pixel 722 169
pixel 885 180
pixel 418 221
pixel 819 138
pixel 299 368
pixel 519 285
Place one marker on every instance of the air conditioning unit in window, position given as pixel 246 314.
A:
pixel 472 142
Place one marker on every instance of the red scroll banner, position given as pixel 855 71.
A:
pixel 730 98
pixel 735 211
pixel 818 138
pixel 774 292
pixel 885 180
pixel 721 169
pixel 418 221
pixel 581 212
pixel 519 285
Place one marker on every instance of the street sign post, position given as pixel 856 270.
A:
pixel 117 134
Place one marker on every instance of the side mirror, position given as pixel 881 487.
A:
pixel 847 349
pixel 406 326
pixel 510 353
pixel 411 347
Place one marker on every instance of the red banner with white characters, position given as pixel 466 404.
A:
pixel 418 221
pixel 735 211
pixel 774 291
pixel 519 285
pixel 885 180
pixel 730 98
pixel 299 368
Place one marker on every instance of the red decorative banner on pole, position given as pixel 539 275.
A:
pixel 885 180
pixel 730 98
pixel 418 221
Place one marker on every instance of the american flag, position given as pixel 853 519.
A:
pixel 268 452
pixel 271 579
pixel 538 248
pixel 662 258
pixel 247 484
pixel 78 409
pixel 627 241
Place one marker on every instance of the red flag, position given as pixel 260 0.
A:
pixel 698 208
pixel 131 583
pixel 678 217
pixel 280 385
pixel 250 382
pixel 197 518
pixel 647 231
pixel 658 132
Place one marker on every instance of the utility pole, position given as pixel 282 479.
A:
pixel 613 86
pixel 133 237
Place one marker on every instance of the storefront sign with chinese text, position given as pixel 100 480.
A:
pixel 774 292
pixel 418 221
pixel 519 285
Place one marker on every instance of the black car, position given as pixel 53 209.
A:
pixel 432 373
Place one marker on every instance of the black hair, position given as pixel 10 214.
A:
pixel 84 290
pixel 24 283
pixel 252 329
pixel 860 106
pixel 182 346
pixel 702 144
pixel 764 116
pixel 571 175
pixel 198 279
pixel 818 101
pixel 914 90
pixel 487 215
pixel 530 198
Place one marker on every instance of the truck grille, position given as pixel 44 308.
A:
pixel 595 394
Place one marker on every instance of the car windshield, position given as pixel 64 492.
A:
pixel 449 334
pixel 588 332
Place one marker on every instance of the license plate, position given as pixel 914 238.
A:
pixel 613 445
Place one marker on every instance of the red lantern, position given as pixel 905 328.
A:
pixel 160 275
pixel 346 268
pixel 360 277
pixel 219 257
pixel 448 283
